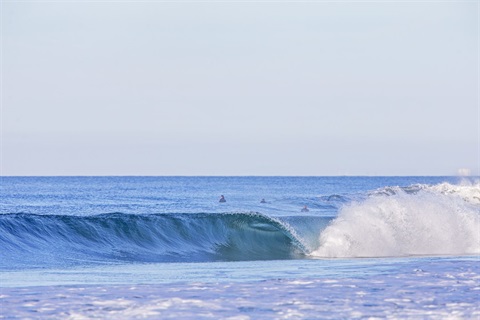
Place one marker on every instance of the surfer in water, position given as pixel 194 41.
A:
pixel 263 201
pixel 305 209
pixel 222 199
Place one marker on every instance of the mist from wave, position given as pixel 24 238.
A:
pixel 442 219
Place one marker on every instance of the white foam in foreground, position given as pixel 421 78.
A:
pixel 436 220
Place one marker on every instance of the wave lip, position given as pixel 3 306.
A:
pixel 40 240
pixel 442 219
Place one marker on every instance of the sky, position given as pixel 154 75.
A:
pixel 240 88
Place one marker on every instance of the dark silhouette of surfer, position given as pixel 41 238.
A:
pixel 222 199
pixel 305 209
pixel 263 201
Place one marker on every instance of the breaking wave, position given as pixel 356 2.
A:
pixel 441 219
pixel 29 239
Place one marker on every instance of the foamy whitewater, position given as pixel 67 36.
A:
pixel 165 247
pixel 419 220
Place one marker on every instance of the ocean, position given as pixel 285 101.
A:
pixel 165 247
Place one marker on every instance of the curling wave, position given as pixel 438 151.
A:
pixel 40 240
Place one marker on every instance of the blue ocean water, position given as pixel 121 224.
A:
pixel 165 247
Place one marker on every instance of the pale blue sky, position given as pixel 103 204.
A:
pixel 240 88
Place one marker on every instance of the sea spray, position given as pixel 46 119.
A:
pixel 442 219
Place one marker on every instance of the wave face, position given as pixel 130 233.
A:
pixel 39 240
pixel 441 219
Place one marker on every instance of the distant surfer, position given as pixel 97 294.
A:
pixel 263 201
pixel 222 199
pixel 305 209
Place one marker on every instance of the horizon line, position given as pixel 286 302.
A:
pixel 252 175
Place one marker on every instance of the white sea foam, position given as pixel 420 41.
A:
pixel 442 219
pixel 449 290
pixel 468 191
